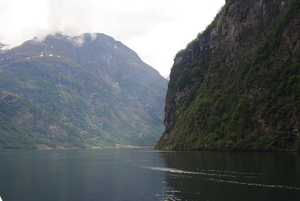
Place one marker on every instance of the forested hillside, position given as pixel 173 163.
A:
pixel 25 126
pixel 91 83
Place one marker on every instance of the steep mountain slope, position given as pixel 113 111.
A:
pixel 236 86
pixel 25 126
pixel 91 82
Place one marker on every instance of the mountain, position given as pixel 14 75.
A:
pixel 236 86
pixel 90 83
pixel 25 126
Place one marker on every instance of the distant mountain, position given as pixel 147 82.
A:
pixel 91 83
pixel 236 86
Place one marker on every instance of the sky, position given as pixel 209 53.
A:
pixel 155 29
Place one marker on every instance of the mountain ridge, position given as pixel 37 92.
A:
pixel 90 82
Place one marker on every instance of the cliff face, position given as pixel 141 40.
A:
pixel 236 86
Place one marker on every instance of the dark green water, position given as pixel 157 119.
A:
pixel 147 174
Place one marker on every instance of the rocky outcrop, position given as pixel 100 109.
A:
pixel 234 86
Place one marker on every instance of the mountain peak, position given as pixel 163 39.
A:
pixel 91 82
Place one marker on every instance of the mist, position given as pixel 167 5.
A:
pixel 155 29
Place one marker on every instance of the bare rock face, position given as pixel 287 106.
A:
pixel 235 85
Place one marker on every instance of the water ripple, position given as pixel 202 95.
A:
pixel 212 174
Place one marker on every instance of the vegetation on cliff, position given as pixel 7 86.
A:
pixel 236 86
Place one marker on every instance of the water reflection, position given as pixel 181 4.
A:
pixel 147 174
pixel 107 174
pixel 232 176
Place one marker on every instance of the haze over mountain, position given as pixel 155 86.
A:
pixel 91 84
pixel 154 29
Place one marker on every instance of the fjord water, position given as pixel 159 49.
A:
pixel 148 174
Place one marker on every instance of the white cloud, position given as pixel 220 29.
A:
pixel 155 29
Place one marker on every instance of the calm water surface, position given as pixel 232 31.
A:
pixel 147 174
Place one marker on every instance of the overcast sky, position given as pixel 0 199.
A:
pixel 155 29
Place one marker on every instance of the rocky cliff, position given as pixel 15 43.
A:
pixel 236 86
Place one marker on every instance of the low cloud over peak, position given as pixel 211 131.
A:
pixel 155 29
